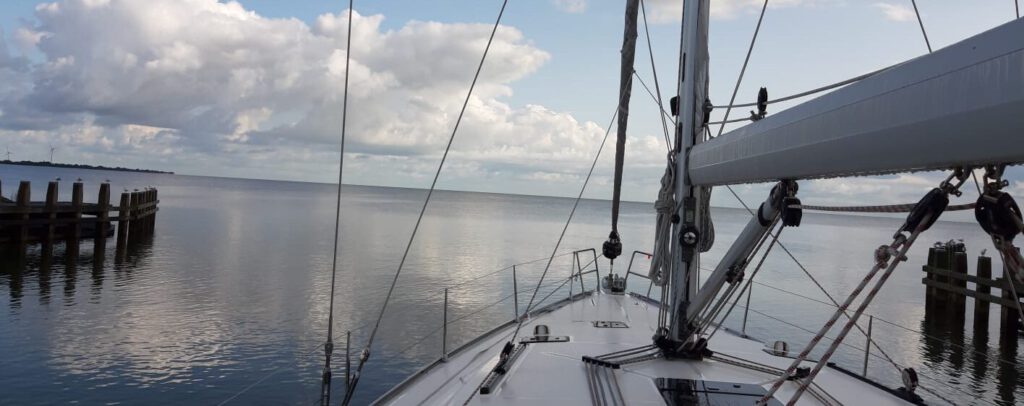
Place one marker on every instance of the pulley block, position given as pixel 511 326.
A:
pixel 999 215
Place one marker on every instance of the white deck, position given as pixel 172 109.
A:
pixel 553 373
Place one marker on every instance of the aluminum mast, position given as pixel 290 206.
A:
pixel 692 90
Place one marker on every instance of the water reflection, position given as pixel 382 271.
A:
pixel 21 263
pixel 234 285
pixel 945 348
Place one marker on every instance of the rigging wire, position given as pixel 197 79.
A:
pixel 572 212
pixel 909 329
pixel 668 139
pixel 366 350
pixel 744 68
pixel 746 287
pixel 532 261
pixel 921 23
pixel 861 349
pixel 654 72
pixel 325 388
pixel 266 376
pixel 815 281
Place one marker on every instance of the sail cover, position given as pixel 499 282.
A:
pixel 959 106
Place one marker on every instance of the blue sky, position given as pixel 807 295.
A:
pixel 535 127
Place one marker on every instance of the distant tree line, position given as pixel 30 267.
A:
pixel 79 166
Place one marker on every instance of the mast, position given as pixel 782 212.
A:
pixel 613 247
pixel 692 91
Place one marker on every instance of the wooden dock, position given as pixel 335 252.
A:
pixel 947 289
pixel 23 221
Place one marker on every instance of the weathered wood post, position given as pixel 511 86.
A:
pixel 77 196
pixel 51 210
pixel 930 292
pixel 23 200
pixel 133 214
pixel 959 300
pixel 942 257
pixel 103 214
pixel 152 217
pixel 144 211
pixel 981 307
pixel 122 220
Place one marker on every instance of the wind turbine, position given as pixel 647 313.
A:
pixel 52 148
pixel 8 153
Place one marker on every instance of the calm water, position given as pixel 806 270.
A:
pixel 230 296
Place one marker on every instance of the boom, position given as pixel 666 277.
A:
pixel 959 106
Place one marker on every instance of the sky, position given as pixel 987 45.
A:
pixel 254 88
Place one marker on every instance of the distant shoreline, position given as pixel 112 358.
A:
pixel 80 166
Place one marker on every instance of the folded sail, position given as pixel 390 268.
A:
pixel 961 105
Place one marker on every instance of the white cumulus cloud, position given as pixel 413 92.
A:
pixel 571 6
pixel 214 82
pixel 896 12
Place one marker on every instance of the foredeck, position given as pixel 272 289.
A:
pixel 553 373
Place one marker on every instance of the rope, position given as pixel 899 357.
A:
pixel 325 388
pixel 921 23
pixel 366 351
pixel 1011 270
pixel 894 208
pixel 654 72
pixel 744 68
pixel 856 348
pixel 665 206
pixel 899 256
pixel 572 212
pixel 814 280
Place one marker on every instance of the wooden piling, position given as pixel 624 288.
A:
pixel 958 260
pixel 133 213
pixel 23 200
pixel 77 197
pixel 103 215
pixel 51 210
pixel 942 262
pixel 929 290
pixel 981 306
pixel 122 220
pixel 152 217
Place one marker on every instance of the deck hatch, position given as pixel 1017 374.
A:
pixel 610 324
pixel 690 392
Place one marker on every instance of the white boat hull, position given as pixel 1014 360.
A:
pixel 553 373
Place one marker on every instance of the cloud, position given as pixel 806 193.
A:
pixel 216 87
pixel 571 6
pixel 896 12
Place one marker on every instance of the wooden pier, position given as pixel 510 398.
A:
pixel 23 221
pixel 947 289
